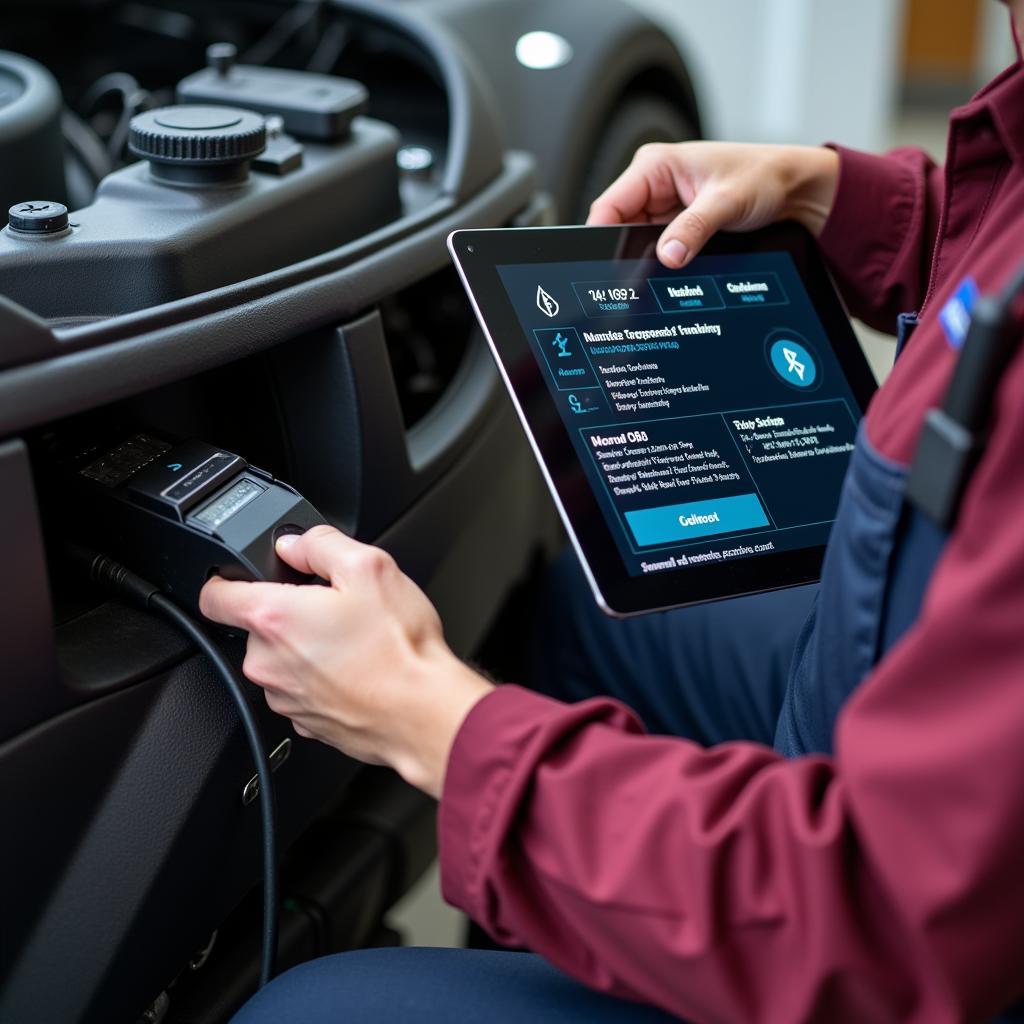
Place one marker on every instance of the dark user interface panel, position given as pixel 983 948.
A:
pixel 707 407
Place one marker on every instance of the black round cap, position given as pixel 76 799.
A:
pixel 221 57
pixel 197 135
pixel 38 217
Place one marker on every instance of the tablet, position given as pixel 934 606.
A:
pixel 694 426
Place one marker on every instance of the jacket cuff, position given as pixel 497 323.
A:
pixel 487 747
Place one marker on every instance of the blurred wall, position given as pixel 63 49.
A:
pixel 996 44
pixel 791 70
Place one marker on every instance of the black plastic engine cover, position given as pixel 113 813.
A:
pixel 143 242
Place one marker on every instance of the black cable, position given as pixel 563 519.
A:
pixel 330 48
pixel 86 147
pixel 289 25
pixel 117 81
pixel 266 794
pixel 133 99
pixel 116 578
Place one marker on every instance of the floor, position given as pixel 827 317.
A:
pixel 422 916
pixel 424 919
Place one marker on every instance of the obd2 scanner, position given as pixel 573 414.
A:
pixel 179 513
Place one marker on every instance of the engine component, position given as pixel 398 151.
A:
pixel 198 145
pixel 38 217
pixel 169 228
pixel 31 146
pixel 312 106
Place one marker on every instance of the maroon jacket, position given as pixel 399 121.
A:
pixel 887 882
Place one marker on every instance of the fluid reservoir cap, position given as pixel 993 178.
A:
pixel 38 217
pixel 216 142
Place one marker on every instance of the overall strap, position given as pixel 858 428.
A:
pixel 954 435
pixel 906 324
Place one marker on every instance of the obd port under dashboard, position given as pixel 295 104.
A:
pixel 428 328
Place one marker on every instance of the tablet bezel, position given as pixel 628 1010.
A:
pixel 478 253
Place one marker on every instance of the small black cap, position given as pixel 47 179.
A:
pixel 221 57
pixel 38 217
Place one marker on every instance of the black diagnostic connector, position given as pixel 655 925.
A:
pixel 180 512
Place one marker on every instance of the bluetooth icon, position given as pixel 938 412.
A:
pixel 791 360
pixel 795 366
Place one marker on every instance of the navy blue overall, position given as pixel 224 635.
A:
pixel 775 667
pixel 880 557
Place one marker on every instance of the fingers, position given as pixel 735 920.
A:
pixel 248 606
pixel 327 552
pixel 646 190
pixel 320 551
pixel 622 201
pixel 689 232
pixel 654 187
pixel 606 210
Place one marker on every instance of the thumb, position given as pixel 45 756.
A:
pixel 689 232
pixel 316 552
pixel 290 551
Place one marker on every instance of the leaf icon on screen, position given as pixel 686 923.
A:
pixel 545 303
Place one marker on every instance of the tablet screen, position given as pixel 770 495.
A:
pixel 707 408
pixel 710 412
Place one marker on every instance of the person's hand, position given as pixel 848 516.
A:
pixel 698 188
pixel 362 664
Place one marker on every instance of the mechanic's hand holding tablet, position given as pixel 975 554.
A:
pixel 698 188
pixel 694 425
pixel 693 415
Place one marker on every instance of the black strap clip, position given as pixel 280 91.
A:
pixel 953 436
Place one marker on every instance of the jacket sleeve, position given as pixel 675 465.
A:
pixel 730 885
pixel 880 237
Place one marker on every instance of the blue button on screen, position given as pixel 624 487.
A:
pixel 671 523
pixel 793 363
